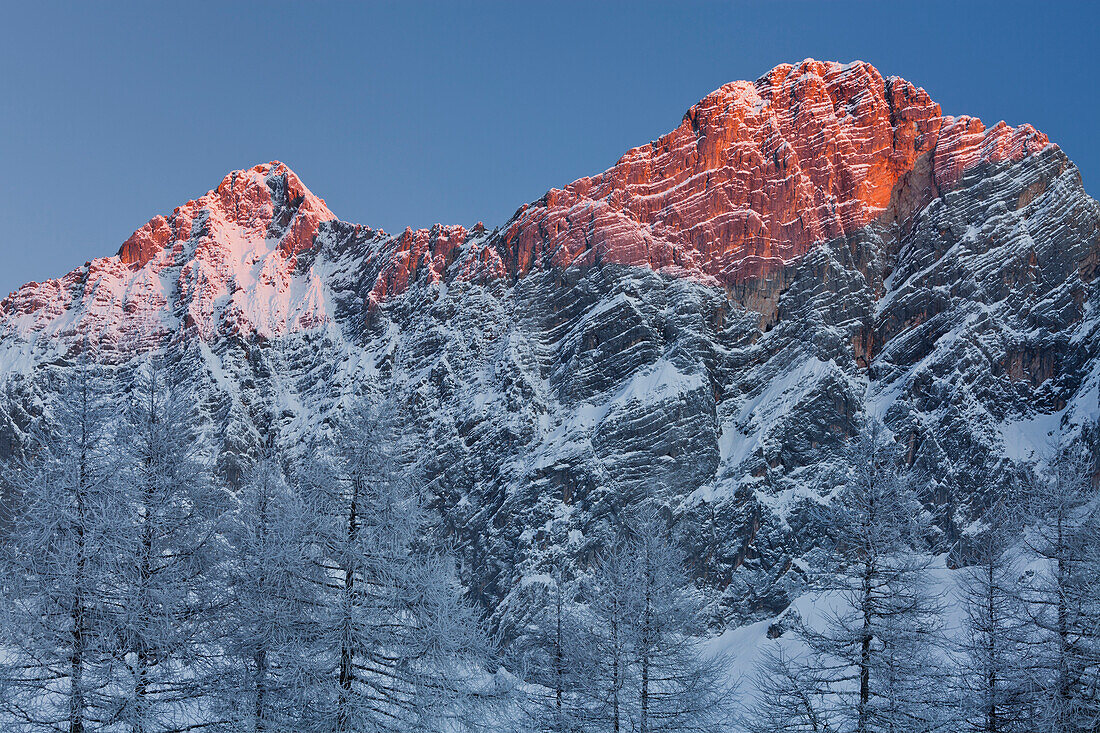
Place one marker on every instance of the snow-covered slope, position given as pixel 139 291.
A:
pixel 706 322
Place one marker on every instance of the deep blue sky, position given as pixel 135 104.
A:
pixel 408 114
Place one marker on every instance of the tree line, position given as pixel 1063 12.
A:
pixel 1011 645
pixel 141 593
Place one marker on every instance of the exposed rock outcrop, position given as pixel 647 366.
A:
pixel 708 321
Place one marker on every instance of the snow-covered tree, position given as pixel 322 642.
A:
pixel 650 671
pixel 273 581
pixel 165 590
pixel 991 680
pixel 791 696
pixel 613 603
pixel 53 565
pixel 1063 595
pixel 552 655
pixel 876 663
pixel 403 648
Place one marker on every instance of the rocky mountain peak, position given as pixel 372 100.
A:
pixel 267 201
pixel 759 172
pixel 708 321
pixel 223 263
pixel 754 177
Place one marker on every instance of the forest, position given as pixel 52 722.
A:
pixel 144 590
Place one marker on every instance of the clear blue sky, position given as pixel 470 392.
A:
pixel 407 113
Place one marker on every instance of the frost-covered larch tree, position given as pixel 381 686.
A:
pixel 1062 511
pixel 166 593
pixel 54 566
pixel 551 653
pixel 404 649
pixel 792 695
pixel 613 604
pixel 876 664
pixel 650 672
pixel 992 684
pixel 273 583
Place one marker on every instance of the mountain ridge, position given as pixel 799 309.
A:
pixel 643 333
pixel 770 194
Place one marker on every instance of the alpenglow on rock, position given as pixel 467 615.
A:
pixel 706 322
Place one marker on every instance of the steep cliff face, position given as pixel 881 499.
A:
pixel 706 322
pixel 758 173
pixel 223 264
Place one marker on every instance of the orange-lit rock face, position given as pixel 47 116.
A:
pixel 755 176
pixel 965 142
pixel 425 253
pixel 757 173
pixel 153 238
pixel 244 199
pixel 430 255
pixel 224 262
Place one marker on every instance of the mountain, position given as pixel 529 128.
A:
pixel 706 322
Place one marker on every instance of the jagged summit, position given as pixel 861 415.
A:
pixel 267 201
pixel 755 176
pixel 758 172
pixel 223 263
pixel 706 322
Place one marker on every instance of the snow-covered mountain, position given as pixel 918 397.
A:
pixel 705 322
